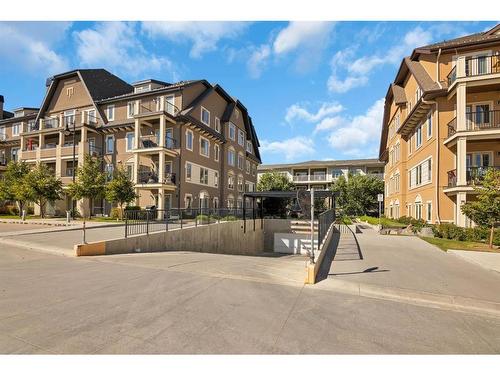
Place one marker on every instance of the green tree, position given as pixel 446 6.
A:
pixel 485 210
pixel 358 194
pixel 13 186
pixel 90 181
pixel 274 181
pixel 43 186
pixel 120 190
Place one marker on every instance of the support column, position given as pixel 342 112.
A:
pixel 461 67
pixel 162 131
pixel 461 105
pixel 161 202
pixel 41 144
pixel 460 217
pixel 461 161
pixel 137 133
pixel 136 168
pixel 161 167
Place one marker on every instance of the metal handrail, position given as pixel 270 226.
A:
pixel 452 127
pixel 51 123
pixel 152 177
pixel 481 120
pixel 153 106
pixel 452 76
pixel 152 141
pixel 481 65
pixel 473 175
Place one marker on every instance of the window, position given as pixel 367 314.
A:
pixel 189 140
pixel 254 169
pixel 216 152
pixel 249 147
pixel 418 137
pixel 418 210
pixel 248 166
pixel 230 202
pixel 204 147
pixel 130 171
pixel 410 145
pixel 16 128
pixel 230 182
pixel 216 202
pixel 188 171
pixel 241 162
pixel 14 152
pixel 232 131
pixel 110 112
pixel 69 117
pixel 205 116
pixel 429 212
pixel 109 171
pixel 216 179
pixel 110 144
pixel 241 138
pixel 170 104
pixel 203 176
pixel 131 109
pixel 217 124
pixel 231 157
pixel 420 174
pixel 240 183
pixel 429 125
pixel 130 141
pixel 188 201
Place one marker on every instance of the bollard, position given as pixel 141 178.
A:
pixel 68 217
pixel 24 215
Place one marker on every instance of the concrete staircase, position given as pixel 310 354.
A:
pixel 303 226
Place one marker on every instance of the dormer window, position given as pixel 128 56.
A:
pixel 205 116
pixel 142 88
pixel 249 147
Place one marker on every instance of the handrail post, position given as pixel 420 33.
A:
pixel 126 224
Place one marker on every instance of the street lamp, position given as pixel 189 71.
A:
pixel 67 132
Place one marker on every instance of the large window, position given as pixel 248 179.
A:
pixel 429 212
pixel 429 125
pixel 130 141
pixel 188 171
pixel 205 116
pixel 203 176
pixel 418 137
pixel 249 147
pixel 110 144
pixel 204 147
pixel 231 157
pixel 420 174
pixel 240 183
pixel 189 140
pixel 216 152
pixel 110 112
pixel 241 138
pixel 131 109
pixel 230 182
pixel 241 162
pixel 217 124
pixel 16 128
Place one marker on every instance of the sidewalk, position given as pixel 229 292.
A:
pixel 408 269
pixel 489 261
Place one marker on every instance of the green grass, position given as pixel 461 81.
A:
pixel 386 223
pixel 445 244
pixel 6 216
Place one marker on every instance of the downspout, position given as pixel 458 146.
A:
pixel 437 142
pixel 179 171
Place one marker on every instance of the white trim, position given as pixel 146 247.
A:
pixel 134 109
pixel 201 115
pixel 201 138
pixel 112 108
pixel 190 172
pixel 127 149
pixel 192 139
pixel 106 144
pixel 217 124
pixel 216 152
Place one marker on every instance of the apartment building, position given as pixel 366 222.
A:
pixel 186 144
pixel 441 127
pixel 321 174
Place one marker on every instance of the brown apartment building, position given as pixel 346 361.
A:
pixel 441 127
pixel 187 144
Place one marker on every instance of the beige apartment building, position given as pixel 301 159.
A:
pixel 321 174
pixel 188 144
pixel 441 127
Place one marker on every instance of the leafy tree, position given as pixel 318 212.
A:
pixel 358 194
pixel 43 186
pixel 274 181
pixel 120 190
pixel 90 181
pixel 13 186
pixel 485 210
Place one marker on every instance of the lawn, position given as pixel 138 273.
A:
pixel 6 216
pixel 386 223
pixel 445 244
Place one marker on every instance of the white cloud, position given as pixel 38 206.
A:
pixel 258 60
pixel 115 45
pixel 298 111
pixel 292 149
pixel 349 72
pixel 328 124
pixel 203 35
pixel 359 135
pixel 31 45
pixel 298 34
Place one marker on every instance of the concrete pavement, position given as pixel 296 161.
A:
pixel 147 303
pixel 489 261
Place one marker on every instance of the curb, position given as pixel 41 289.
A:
pixel 426 299
pixel 43 249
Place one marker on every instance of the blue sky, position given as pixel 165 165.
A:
pixel 314 89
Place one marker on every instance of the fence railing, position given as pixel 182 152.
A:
pixel 325 220
pixel 473 175
pixel 452 127
pixel 157 220
pixel 482 120
pixel 452 76
pixel 152 141
pixel 151 177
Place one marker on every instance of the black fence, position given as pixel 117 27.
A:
pixel 157 220
pixel 325 220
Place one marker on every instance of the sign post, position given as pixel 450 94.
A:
pixel 380 198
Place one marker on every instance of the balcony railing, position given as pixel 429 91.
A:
pixel 482 120
pixel 33 126
pixel 300 177
pixel 318 177
pixel 452 127
pixel 153 105
pixel 3 161
pixel 51 123
pixel 152 141
pixel 473 175
pixel 477 66
pixel 151 177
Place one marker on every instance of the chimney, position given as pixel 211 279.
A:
pixel 1 107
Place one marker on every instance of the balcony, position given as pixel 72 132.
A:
pixel 51 123
pixel 32 127
pixel 3 161
pixel 152 141
pixel 310 177
pixel 48 151
pixel 148 177
pixel 475 67
pixel 155 106
pixel 482 120
pixel 452 127
pixel 474 176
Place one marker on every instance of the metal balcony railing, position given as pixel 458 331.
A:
pixel 153 105
pixel 481 65
pixel 300 177
pixel 152 141
pixel 482 120
pixel 452 76
pixel 318 177
pixel 473 175
pixel 452 127
pixel 33 126
pixel 151 177
pixel 51 123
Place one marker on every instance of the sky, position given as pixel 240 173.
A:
pixel 315 90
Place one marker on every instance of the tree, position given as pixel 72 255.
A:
pixel 274 181
pixel 485 210
pixel 120 190
pixel 90 181
pixel 43 186
pixel 13 186
pixel 358 194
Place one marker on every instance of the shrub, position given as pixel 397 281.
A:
pixel 30 210
pixel 202 219
pixel 229 218
pixel 450 231
pixel 134 208
pixel 115 213
pixel 12 210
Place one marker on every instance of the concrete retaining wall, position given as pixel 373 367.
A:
pixel 223 238
pixel 272 226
